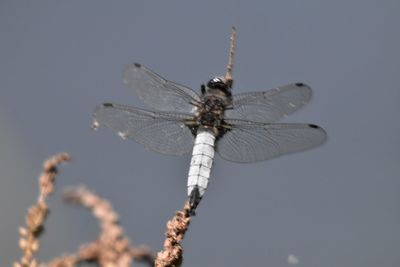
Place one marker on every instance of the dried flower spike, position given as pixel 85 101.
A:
pixel 29 242
pixel 171 255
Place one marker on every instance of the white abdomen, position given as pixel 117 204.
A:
pixel 200 166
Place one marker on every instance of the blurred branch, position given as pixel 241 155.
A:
pixel 171 255
pixel 111 248
pixel 29 242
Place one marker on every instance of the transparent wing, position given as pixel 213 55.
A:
pixel 269 106
pixel 251 142
pixel 159 93
pixel 163 132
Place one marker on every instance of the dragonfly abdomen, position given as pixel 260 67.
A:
pixel 200 166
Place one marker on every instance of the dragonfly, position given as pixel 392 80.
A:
pixel 240 127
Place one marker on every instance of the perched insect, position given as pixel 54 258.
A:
pixel 239 127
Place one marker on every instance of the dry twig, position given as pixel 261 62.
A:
pixel 36 216
pixel 171 255
pixel 229 67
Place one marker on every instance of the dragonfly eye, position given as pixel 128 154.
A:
pixel 217 83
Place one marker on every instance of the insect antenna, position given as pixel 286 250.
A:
pixel 229 67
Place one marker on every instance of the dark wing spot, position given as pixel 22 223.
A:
pixel 108 105
pixel 299 84
pixel 314 126
pixel 137 65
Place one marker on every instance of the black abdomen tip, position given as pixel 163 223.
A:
pixel 299 84
pixel 194 199
pixel 108 105
pixel 137 65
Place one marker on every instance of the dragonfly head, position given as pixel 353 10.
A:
pixel 219 83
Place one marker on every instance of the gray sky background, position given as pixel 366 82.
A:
pixel 337 205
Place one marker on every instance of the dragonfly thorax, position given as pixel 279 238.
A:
pixel 209 120
pixel 215 99
pixel 210 113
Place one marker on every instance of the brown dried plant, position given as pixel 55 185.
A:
pixel 29 242
pixel 171 255
pixel 231 59
pixel 112 248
